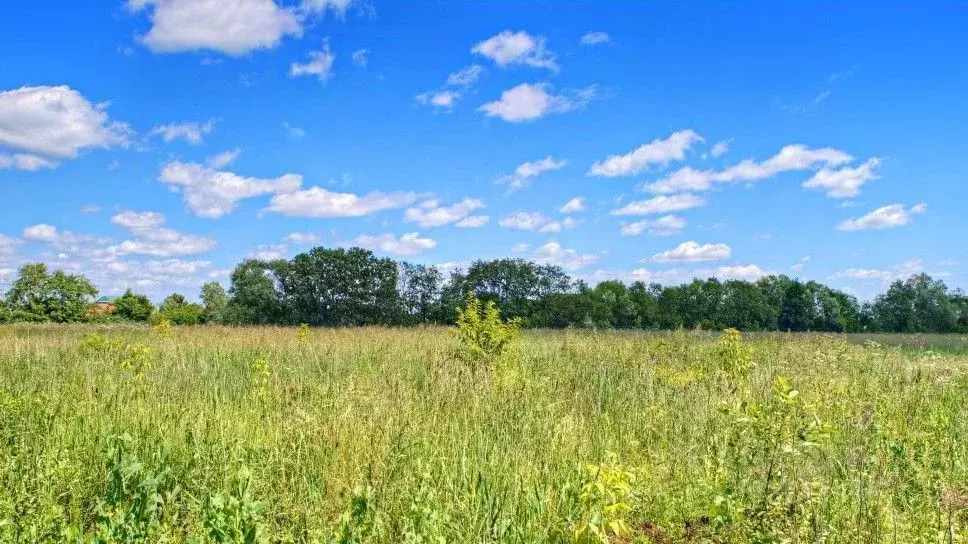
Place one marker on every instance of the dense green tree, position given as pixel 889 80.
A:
pixel 133 307
pixel 919 304
pixel 37 295
pixel 420 288
pixel 341 287
pixel 515 284
pixel 215 302
pixel 179 311
pixel 744 306
pixel 256 296
pixel 796 308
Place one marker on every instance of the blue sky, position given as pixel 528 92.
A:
pixel 156 143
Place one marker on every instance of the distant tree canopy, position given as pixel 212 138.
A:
pixel 349 287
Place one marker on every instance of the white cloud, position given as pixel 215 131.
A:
pixel 150 238
pixel 294 131
pixel 661 204
pixel 52 235
pixel 473 222
pixel 139 221
pixel 525 171
pixel 465 77
pixel 302 238
pixel 25 161
pixel 886 275
pixel 338 7
pixel 361 57
pixel 8 245
pixel 224 158
pixel 270 252
pixel 666 225
pixel 50 123
pixel 530 101
pixel 193 132
pixel 595 38
pixel 846 182
pixel 748 272
pixel 214 193
pixel 658 151
pixel 408 244
pixel 574 205
pixel 319 202
pixel 801 264
pixel 519 248
pixel 233 27
pixel 507 48
pixel 719 148
pixel 523 221
pixel 570 259
pixel 444 99
pixel 791 157
pixel 558 226
pixel 431 214
pixel 320 64
pixel 693 252
pixel 885 217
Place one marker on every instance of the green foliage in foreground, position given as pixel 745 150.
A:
pixel 202 435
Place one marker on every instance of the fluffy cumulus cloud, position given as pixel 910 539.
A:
pixel 8 245
pixel 554 227
pixel 233 27
pixel 693 252
pixel 42 125
pixel 319 64
pixel 886 275
pixel 223 159
pixel 595 38
pixel 789 158
pixel 57 238
pixel 574 205
pixel 213 193
pixel 302 238
pixel 661 204
pixel 748 272
pixel 432 214
pixel 569 259
pixel 269 252
pixel 509 48
pixel 192 132
pixel 457 82
pixel 719 148
pixel 885 217
pixel 25 161
pixel 526 171
pixel 465 77
pixel 656 152
pixel 666 225
pixel 523 221
pixel 320 202
pixel 444 99
pixel 408 244
pixel 149 237
pixel 531 101
pixel 845 182
pixel 137 221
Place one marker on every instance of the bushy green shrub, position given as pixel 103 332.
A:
pixel 482 333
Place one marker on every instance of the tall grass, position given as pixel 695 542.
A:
pixel 387 436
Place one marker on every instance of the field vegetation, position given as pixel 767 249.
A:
pixel 210 434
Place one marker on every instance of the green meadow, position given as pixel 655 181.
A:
pixel 386 435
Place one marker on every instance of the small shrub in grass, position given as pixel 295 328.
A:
pixel 233 517
pixel 482 333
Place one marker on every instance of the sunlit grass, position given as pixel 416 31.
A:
pixel 386 435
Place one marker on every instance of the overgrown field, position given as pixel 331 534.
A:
pixel 386 436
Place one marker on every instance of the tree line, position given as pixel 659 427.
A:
pixel 353 287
